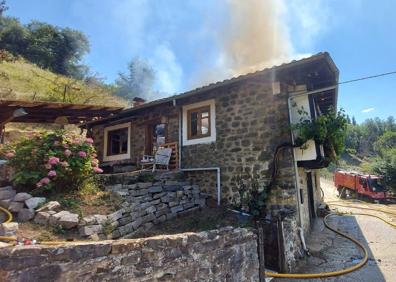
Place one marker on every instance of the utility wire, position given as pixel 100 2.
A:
pixel 367 77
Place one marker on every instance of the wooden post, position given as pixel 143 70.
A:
pixel 260 247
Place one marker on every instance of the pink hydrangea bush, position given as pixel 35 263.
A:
pixel 58 160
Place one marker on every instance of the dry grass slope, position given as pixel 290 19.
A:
pixel 23 80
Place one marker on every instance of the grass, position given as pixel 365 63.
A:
pixel 30 230
pixel 23 80
pixel 88 200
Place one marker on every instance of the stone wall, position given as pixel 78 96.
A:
pixel 139 122
pixel 226 254
pixel 144 204
pixel 250 123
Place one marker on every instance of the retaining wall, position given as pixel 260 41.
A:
pixel 227 254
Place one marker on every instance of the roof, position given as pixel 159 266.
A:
pixel 295 63
pixel 47 112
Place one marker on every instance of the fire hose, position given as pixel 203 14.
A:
pixel 273 274
pixel 356 242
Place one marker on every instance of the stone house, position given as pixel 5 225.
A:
pixel 233 128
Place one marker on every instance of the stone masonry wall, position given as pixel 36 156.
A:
pixel 144 204
pixel 226 254
pixel 250 123
pixel 139 122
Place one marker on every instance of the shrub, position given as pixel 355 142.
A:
pixel 57 160
pixel 327 129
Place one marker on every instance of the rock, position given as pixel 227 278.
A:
pixel 8 229
pixel 155 189
pixel 42 218
pixel 6 188
pixel 148 226
pixel 33 203
pixel 151 209
pixel 21 197
pixel 7 194
pixel 143 185
pixel 65 219
pixel 5 203
pixel 115 215
pixel 177 209
pixel 147 218
pixel 25 215
pixel 137 223
pixel 90 229
pixel 100 218
pixel 50 206
pixel 15 207
pixel 172 188
pixel 89 220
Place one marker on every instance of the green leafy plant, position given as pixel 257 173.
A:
pixel 328 129
pixel 107 227
pixel 252 195
pixel 58 160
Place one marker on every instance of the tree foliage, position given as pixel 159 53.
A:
pixel 375 141
pixel 138 81
pixel 57 49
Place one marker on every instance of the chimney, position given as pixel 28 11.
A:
pixel 137 101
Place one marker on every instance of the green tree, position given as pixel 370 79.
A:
pixel 3 7
pixel 137 82
pixel 57 49
pixel 385 142
pixel 13 36
pixel 353 121
pixel 386 166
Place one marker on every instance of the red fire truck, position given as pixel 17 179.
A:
pixel 360 185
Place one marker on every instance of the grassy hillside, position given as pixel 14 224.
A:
pixel 22 80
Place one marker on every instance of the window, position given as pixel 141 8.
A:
pixel 198 122
pixel 117 141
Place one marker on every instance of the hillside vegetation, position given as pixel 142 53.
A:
pixel 370 148
pixel 22 80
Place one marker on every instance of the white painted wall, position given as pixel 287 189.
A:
pixel 298 103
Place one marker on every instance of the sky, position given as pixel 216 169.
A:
pixel 190 43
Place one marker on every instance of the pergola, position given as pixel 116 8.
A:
pixel 51 112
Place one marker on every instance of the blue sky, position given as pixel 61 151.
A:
pixel 190 43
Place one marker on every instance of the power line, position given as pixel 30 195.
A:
pixel 367 77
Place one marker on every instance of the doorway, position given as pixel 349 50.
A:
pixel 155 137
pixel 311 201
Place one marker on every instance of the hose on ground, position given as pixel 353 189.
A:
pixel 8 214
pixel 331 273
pixel 335 203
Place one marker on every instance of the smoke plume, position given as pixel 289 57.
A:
pixel 255 36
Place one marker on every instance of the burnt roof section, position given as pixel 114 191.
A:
pixel 316 71
pixel 47 112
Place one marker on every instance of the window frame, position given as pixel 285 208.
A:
pixel 186 129
pixel 200 110
pixel 106 144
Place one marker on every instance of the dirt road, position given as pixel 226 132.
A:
pixel 331 252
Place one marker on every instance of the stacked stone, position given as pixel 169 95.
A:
pixel 22 205
pixel 144 205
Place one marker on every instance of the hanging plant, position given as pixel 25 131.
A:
pixel 328 130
